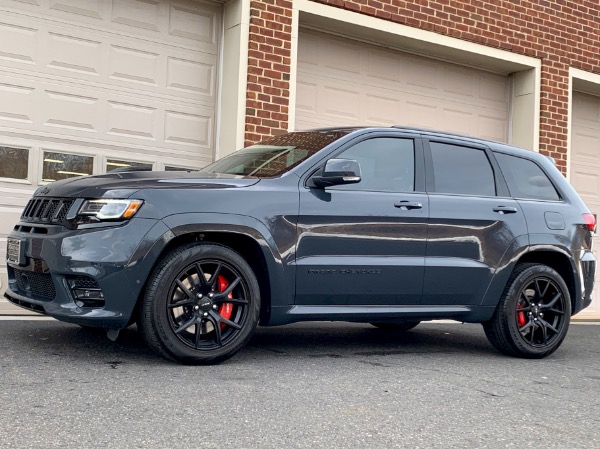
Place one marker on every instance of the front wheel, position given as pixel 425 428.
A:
pixel 533 315
pixel 201 305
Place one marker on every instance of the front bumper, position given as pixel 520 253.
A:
pixel 114 260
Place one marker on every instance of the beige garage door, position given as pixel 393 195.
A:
pixel 90 85
pixel 345 82
pixel 585 167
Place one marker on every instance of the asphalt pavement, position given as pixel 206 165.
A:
pixel 309 385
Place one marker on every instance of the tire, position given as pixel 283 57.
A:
pixel 533 315
pixel 403 326
pixel 201 305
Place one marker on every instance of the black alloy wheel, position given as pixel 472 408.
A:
pixel 540 312
pixel 207 304
pixel 202 305
pixel 533 315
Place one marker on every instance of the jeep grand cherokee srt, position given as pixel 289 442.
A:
pixel 388 226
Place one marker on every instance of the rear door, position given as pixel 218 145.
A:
pixel 364 243
pixel 472 222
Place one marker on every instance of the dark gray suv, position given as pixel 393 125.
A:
pixel 388 226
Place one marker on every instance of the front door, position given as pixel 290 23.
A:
pixel 364 243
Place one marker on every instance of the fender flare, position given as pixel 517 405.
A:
pixel 280 271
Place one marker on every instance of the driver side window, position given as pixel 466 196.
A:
pixel 387 164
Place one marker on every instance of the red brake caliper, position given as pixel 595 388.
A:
pixel 226 308
pixel 521 320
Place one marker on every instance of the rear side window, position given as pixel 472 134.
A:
pixel 525 179
pixel 462 170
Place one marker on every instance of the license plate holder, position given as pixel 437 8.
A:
pixel 14 253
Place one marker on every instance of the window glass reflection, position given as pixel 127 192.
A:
pixel 112 164
pixel 13 162
pixel 58 166
pixel 387 164
pixel 462 170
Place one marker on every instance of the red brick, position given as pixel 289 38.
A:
pixel 559 33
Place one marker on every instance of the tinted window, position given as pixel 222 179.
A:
pixel 525 179
pixel 386 164
pixel 462 170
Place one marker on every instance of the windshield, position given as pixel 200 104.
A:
pixel 274 156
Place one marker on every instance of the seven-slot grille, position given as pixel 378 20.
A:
pixel 46 210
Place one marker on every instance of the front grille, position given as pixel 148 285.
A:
pixel 46 210
pixel 35 284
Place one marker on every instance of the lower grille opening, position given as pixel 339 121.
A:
pixel 86 291
pixel 35 284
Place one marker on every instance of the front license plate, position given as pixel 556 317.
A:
pixel 13 251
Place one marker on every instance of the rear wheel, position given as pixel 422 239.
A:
pixel 533 315
pixel 201 305
pixel 403 326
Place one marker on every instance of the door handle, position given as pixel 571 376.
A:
pixel 505 210
pixel 406 205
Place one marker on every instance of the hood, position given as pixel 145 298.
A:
pixel 125 184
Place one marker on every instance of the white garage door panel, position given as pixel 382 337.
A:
pixel 105 115
pixel 101 56
pixel 182 20
pixel 344 82
pixel 585 168
pixel 98 58
pixel 122 79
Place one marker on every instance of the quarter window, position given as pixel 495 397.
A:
pixel 462 170
pixel 13 162
pixel 386 164
pixel 525 178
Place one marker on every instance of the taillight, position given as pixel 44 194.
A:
pixel 590 221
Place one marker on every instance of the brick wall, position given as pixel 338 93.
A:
pixel 561 33
pixel 269 55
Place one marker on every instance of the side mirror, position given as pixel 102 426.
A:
pixel 337 172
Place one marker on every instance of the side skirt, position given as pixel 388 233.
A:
pixel 367 314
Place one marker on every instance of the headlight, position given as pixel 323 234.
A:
pixel 110 209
